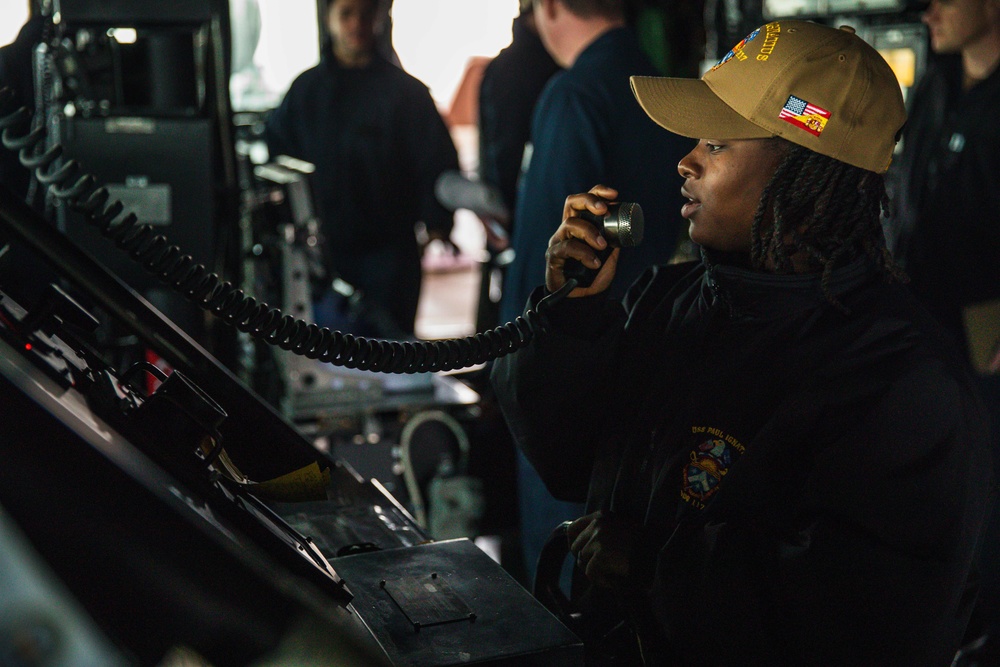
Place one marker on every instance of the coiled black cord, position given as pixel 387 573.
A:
pixel 171 266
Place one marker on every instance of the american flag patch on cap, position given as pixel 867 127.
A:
pixel 800 113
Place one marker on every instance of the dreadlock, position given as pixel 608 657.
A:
pixel 827 210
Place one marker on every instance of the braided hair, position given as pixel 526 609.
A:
pixel 824 209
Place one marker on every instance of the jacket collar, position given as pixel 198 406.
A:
pixel 378 61
pixel 756 295
pixel 608 42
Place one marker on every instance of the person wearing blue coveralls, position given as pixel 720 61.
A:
pixel 378 144
pixel 584 131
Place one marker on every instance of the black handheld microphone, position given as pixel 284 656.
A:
pixel 621 227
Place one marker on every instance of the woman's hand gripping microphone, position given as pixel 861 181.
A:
pixel 585 247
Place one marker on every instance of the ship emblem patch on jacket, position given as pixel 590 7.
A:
pixel 708 465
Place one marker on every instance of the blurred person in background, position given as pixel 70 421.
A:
pixel 944 226
pixel 511 84
pixel 585 131
pixel 378 143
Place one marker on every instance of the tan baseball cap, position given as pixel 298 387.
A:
pixel 820 87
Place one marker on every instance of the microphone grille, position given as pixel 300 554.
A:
pixel 630 224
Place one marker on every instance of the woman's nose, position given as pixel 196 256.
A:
pixel 686 167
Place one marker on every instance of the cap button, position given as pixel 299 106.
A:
pixel 847 28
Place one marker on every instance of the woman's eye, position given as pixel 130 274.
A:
pixel 712 148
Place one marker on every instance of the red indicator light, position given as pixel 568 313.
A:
pixel 27 346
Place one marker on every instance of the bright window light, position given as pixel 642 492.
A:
pixel 436 38
pixel 289 40
pixel 13 15
pixel 275 40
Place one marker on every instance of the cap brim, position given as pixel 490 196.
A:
pixel 688 107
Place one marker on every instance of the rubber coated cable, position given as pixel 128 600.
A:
pixel 171 266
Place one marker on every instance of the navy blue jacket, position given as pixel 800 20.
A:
pixel 511 85
pixel 810 485
pixel 944 227
pixel 589 129
pixel 378 143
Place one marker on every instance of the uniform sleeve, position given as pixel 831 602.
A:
pixel 552 391
pixel 491 138
pixel 567 158
pixel 501 137
pixel 280 130
pixel 431 152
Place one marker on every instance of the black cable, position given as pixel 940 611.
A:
pixel 171 266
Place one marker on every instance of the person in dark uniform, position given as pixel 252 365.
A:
pixel 582 133
pixel 378 144
pixel 511 84
pixel 944 228
pixel 784 460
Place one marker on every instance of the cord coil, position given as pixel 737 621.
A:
pixel 171 266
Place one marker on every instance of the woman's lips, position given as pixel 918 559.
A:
pixel 688 209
